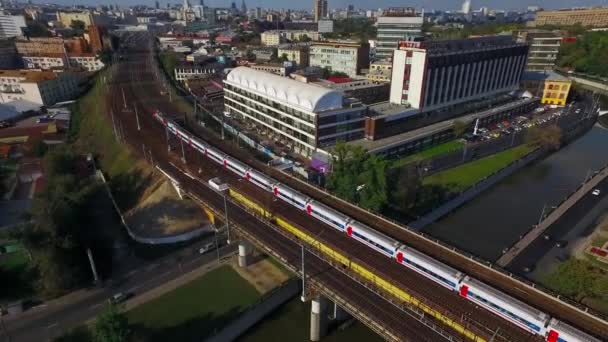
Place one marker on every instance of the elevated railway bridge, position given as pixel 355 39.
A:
pixel 397 303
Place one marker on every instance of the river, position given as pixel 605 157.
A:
pixel 497 217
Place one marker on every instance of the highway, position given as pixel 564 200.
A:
pixel 140 90
pixel 48 321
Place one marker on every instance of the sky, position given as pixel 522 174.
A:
pixel 367 4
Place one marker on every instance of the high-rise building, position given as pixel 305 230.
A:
pixel 466 7
pixel 544 47
pixel 320 9
pixel 243 7
pixel 396 25
pixel 431 75
pixel 258 13
pixel 157 5
pixel 11 25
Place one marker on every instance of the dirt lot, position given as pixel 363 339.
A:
pixel 262 274
pixel 161 213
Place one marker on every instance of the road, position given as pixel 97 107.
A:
pixel 560 229
pixel 46 322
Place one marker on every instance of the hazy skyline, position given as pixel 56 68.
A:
pixel 366 4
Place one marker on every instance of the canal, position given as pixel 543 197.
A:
pixel 497 217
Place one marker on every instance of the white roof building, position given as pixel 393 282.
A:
pixel 301 116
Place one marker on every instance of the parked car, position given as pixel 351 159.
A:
pixel 561 243
pixel 120 297
pixel 596 192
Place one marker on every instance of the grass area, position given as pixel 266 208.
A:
pixel 91 131
pixel 463 176
pixel 291 323
pixel 16 276
pixel 431 152
pixel 195 310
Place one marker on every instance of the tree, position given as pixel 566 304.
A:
pixel 405 185
pixel 283 58
pixel 576 278
pixel 40 148
pixel 37 29
pixel 111 326
pixel 459 127
pixel 548 137
pixel 78 25
pixel 305 39
pixel 338 74
pixel 373 195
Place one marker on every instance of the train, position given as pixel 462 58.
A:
pixel 513 310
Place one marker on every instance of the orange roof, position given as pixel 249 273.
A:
pixel 30 75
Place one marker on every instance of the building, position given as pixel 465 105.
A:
pixel 86 61
pixel 325 26
pixel 8 54
pixel 11 25
pixel 51 45
pixel 340 56
pixel 273 68
pixel 263 54
pixel 363 90
pixel 93 38
pixel 189 71
pixel 380 71
pixel 46 62
pixel 301 116
pixel 295 53
pixel 551 87
pixel 434 74
pixel 544 47
pixel 595 17
pixel 271 38
pixel 277 37
pixel 320 9
pixel 66 18
pixel 396 25
pixel 41 88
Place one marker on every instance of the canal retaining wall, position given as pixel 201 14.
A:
pixel 475 190
pixel 551 217
pixel 258 311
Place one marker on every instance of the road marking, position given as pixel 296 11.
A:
pixel 52 325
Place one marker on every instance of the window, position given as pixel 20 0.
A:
pixel 504 311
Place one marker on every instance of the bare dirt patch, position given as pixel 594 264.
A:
pixel 162 213
pixel 262 274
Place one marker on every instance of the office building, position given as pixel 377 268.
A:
pixel 320 9
pixel 277 37
pixel 380 71
pixel 271 38
pixel 43 88
pixel 189 71
pixel 551 87
pixel 394 26
pixel 434 74
pixel 595 17
pixel 11 25
pixel 544 47
pixel 295 53
pixel 348 57
pixel 301 116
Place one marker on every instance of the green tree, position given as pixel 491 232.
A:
pixel 283 58
pixel 405 185
pixel 548 137
pixel 40 148
pixel 111 326
pixel 574 278
pixel 37 29
pixel 373 196
pixel 459 127
pixel 305 39
pixel 169 61
pixel 78 25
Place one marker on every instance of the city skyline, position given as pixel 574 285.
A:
pixel 453 5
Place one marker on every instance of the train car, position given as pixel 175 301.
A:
pixel 327 215
pixel 236 166
pixel 440 273
pixel 511 309
pixel 215 156
pixel 558 331
pixel 290 196
pixel 373 239
pixel 259 179
pixel 199 145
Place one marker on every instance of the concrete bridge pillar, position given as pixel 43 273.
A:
pixel 318 318
pixel 245 250
pixel 340 314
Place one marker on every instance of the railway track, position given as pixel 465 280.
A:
pixel 502 280
pixel 157 144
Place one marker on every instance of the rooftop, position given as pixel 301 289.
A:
pixel 298 94
pixel 29 75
